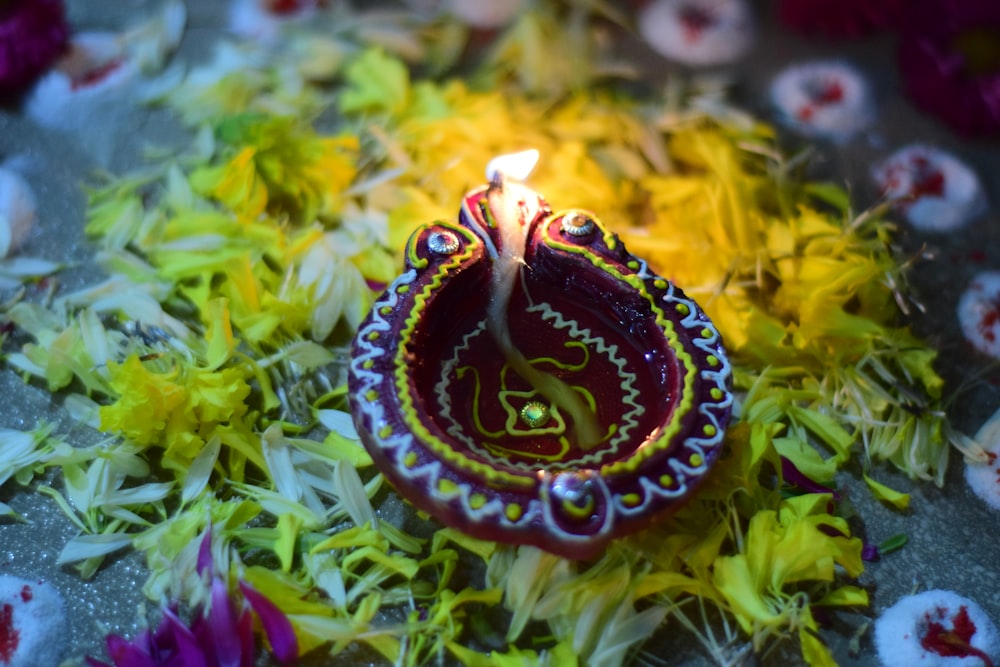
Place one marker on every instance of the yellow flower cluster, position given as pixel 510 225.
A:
pixel 176 408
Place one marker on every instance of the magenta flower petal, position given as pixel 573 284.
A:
pixel 277 627
pixel 794 476
pixel 189 652
pixel 124 653
pixel 949 59
pixel 205 562
pixel 224 626
pixel 32 35
pixel 245 632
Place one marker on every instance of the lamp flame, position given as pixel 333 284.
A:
pixel 516 166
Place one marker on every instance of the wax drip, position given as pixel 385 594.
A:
pixel 508 208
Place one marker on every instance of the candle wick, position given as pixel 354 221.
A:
pixel 509 209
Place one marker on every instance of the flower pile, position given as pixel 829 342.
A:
pixel 213 356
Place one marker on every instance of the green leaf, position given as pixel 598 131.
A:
pixel 894 543
pixel 830 193
pixel 375 82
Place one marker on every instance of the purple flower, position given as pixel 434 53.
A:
pixel 870 552
pixel 33 33
pixel 219 636
pixel 949 59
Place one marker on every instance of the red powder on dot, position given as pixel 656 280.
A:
pixel 953 643
pixel 26 593
pixel 9 637
pixel 695 20
pixel 929 183
pixel 989 321
pixel 97 75
pixel 821 93
pixel 978 256
pixel 829 92
pixel 285 6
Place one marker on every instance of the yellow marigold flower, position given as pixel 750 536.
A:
pixel 217 396
pixel 177 410
pixel 145 403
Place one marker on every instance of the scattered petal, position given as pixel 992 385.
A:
pixel 277 627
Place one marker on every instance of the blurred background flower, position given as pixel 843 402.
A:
pixel 33 33
pixel 949 60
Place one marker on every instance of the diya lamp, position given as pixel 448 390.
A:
pixel 527 380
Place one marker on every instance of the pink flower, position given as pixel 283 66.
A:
pixel 840 18
pixel 32 35
pixel 949 59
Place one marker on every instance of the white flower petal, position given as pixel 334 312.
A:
pixel 90 546
pixel 338 421
pixel 352 494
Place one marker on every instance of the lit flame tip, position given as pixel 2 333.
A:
pixel 515 166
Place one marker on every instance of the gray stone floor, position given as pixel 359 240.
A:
pixel 954 537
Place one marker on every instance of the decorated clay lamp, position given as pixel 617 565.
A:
pixel 527 380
